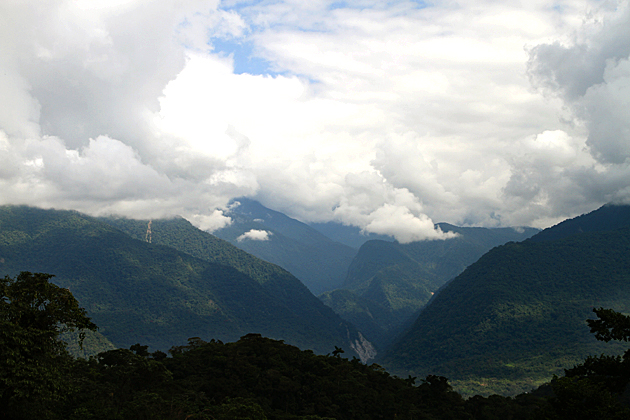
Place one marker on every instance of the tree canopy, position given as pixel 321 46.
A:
pixel 255 377
pixel 596 388
pixel 33 312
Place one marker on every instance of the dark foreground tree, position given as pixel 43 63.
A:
pixel 255 377
pixel 599 387
pixel 33 312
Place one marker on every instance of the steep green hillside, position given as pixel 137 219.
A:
pixel 388 282
pixel 517 315
pixel 319 262
pixel 141 292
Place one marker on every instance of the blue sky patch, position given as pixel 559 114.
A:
pixel 245 61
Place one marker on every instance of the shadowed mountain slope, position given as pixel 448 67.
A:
pixel 518 314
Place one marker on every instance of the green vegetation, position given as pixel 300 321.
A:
pixel 506 324
pixel 150 293
pixel 33 313
pixel 596 388
pixel 516 316
pixel 368 316
pixel 256 378
pixel 388 282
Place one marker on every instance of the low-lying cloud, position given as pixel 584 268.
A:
pixel 255 235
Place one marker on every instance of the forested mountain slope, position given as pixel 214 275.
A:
pixel 150 293
pixel 518 314
pixel 387 282
pixel 318 261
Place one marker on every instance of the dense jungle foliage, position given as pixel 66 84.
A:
pixel 255 377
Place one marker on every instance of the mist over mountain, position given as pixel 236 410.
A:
pixel 138 290
pixel 517 316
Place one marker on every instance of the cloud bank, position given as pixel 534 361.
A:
pixel 388 117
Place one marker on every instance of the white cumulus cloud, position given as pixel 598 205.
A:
pixel 255 235
pixel 388 116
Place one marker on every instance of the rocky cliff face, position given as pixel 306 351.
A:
pixel 363 348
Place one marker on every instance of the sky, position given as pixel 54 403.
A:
pixel 386 115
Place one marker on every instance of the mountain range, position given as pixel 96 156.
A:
pixel 161 282
pixel 370 280
pixel 491 310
